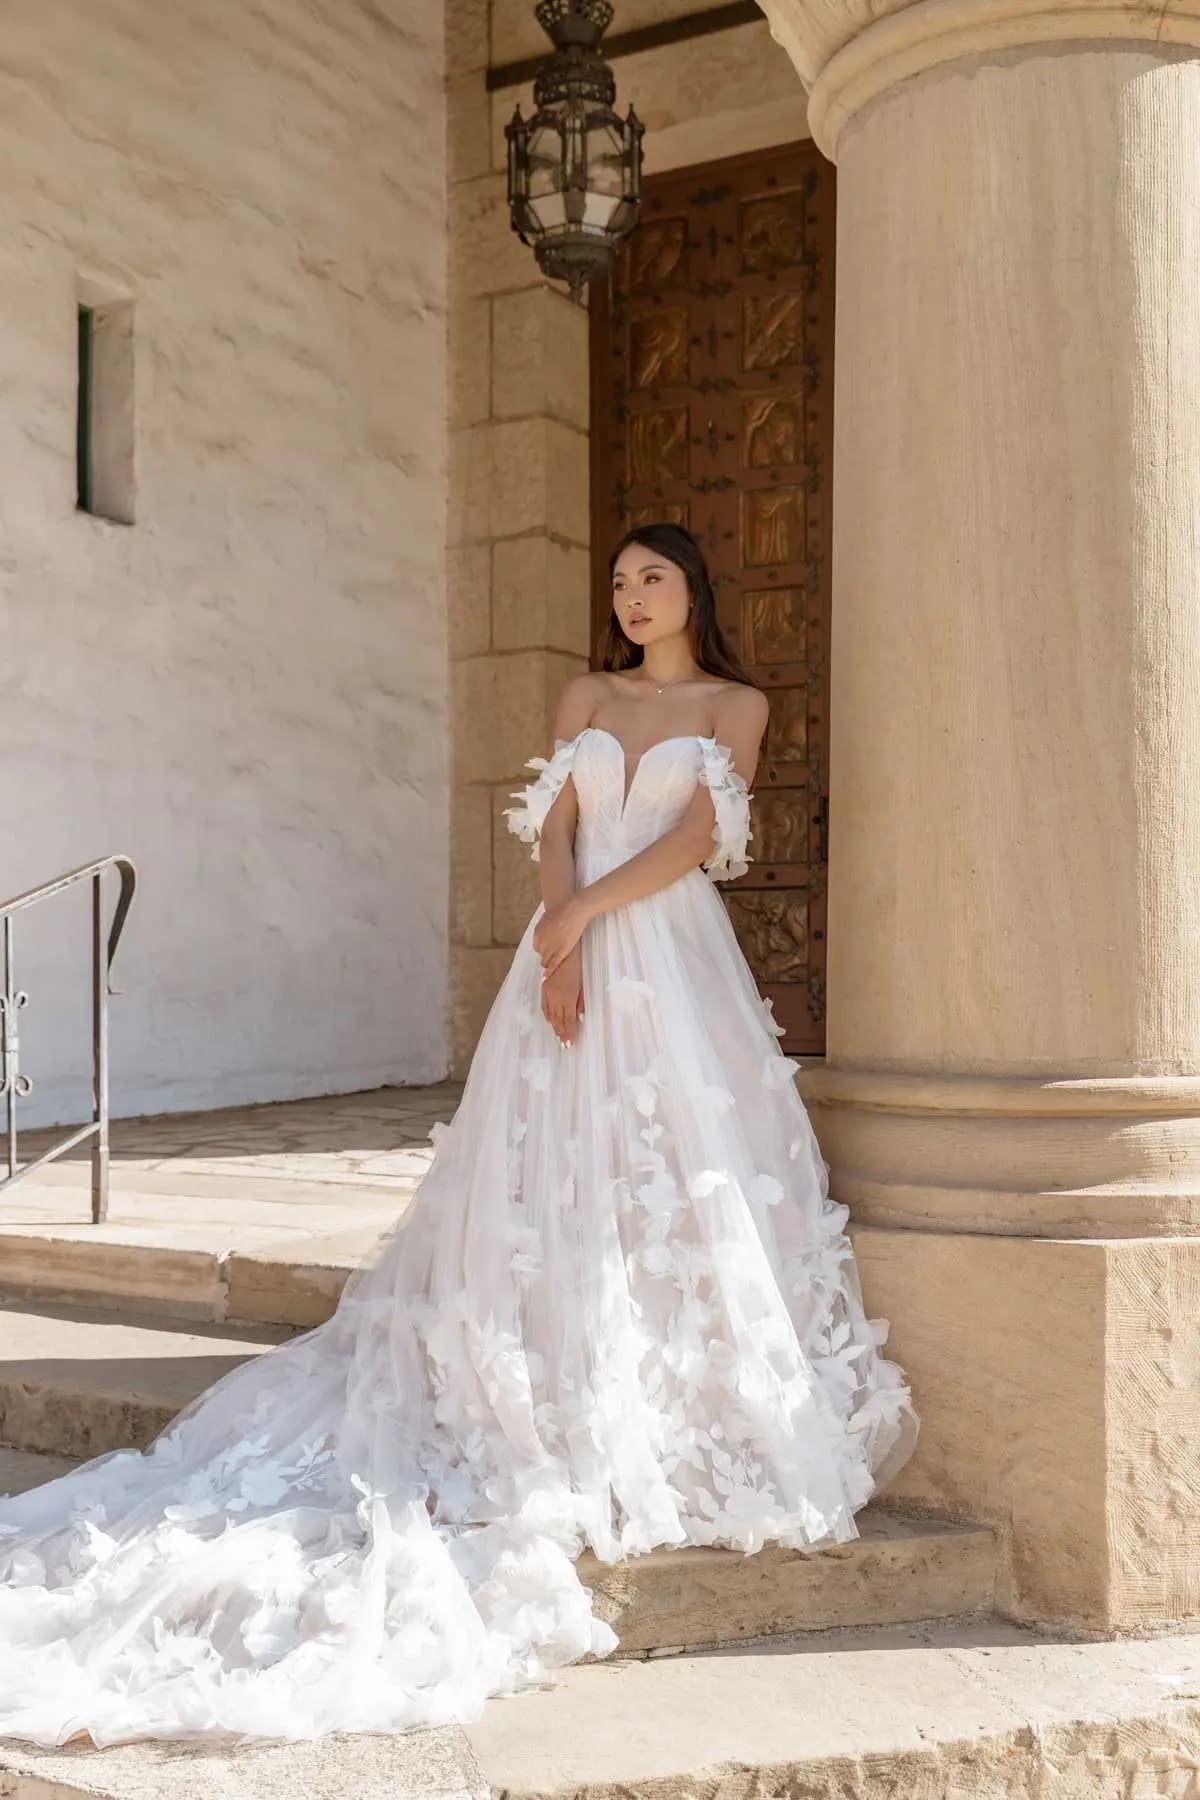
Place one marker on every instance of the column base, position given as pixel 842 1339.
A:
pixel 1058 1383
pixel 1106 1157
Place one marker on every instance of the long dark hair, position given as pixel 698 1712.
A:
pixel 709 644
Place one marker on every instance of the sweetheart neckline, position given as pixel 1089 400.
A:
pixel 679 737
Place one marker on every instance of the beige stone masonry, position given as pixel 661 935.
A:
pixel 540 591
pixel 519 533
pixel 1013 1067
pixel 1059 1388
pixel 1052 1157
pixel 516 34
pixel 700 99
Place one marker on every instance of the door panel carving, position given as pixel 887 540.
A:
pixel 712 405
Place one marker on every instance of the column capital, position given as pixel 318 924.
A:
pixel 848 51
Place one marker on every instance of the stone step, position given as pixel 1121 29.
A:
pixel 23 1469
pixel 418 1765
pixel 275 1285
pixel 76 1384
pixel 897 1570
pixel 983 1711
pixel 197 1272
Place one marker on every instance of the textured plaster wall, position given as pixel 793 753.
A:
pixel 247 688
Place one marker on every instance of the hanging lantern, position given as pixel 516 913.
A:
pixel 575 167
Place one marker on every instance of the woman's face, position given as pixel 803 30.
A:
pixel 650 596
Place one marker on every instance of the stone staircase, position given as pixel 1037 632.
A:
pixel 872 1668
pixel 76 1382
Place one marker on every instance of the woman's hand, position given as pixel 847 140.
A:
pixel 558 932
pixel 562 997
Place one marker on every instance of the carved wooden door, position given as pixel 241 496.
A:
pixel 712 405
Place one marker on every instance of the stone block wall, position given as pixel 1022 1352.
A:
pixel 519 573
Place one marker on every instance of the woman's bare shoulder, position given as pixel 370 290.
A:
pixel 580 697
pixel 741 704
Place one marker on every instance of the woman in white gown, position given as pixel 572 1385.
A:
pixel 622 1312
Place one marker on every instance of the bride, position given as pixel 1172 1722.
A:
pixel 622 1313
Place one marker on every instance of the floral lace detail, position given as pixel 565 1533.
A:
pixel 526 820
pixel 731 803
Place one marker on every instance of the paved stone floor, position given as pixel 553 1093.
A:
pixel 247 1175
pixel 348 1138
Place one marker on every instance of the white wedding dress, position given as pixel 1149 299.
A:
pixel 621 1313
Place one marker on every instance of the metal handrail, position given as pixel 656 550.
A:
pixel 13 1085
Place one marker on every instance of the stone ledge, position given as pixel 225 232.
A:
pixel 76 1383
pixel 419 1765
pixel 897 1571
pixel 979 1712
pixel 281 1285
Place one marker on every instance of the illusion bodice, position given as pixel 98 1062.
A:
pixel 620 816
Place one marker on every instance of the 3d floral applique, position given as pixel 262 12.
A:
pixel 643 1091
pixel 527 819
pixel 765 1190
pixel 779 1071
pixel 773 1025
pixel 628 993
pixel 536 1071
pixel 731 807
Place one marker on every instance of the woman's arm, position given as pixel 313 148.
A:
pixel 575 706
pixel 562 987
pixel 740 723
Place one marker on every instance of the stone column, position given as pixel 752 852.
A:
pixel 1011 1100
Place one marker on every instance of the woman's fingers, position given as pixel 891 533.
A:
pixel 562 1012
pixel 552 1010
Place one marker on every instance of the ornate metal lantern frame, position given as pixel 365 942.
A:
pixel 575 166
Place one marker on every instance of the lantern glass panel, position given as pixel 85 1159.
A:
pixel 598 210
pixel 606 157
pixel 545 162
pixel 549 210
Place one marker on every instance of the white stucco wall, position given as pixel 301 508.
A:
pixel 245 690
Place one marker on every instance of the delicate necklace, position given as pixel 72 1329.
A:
pixel 666 684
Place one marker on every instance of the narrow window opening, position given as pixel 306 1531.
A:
pixel 104 413
pixel 83 413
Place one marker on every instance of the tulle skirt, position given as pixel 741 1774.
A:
pixel 622 1313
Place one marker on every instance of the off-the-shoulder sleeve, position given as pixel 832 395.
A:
pixel 731 803
pixel 526 820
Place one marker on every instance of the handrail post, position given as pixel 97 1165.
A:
pixel 8 1001
pixel 99 1058
pixel 13 1085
